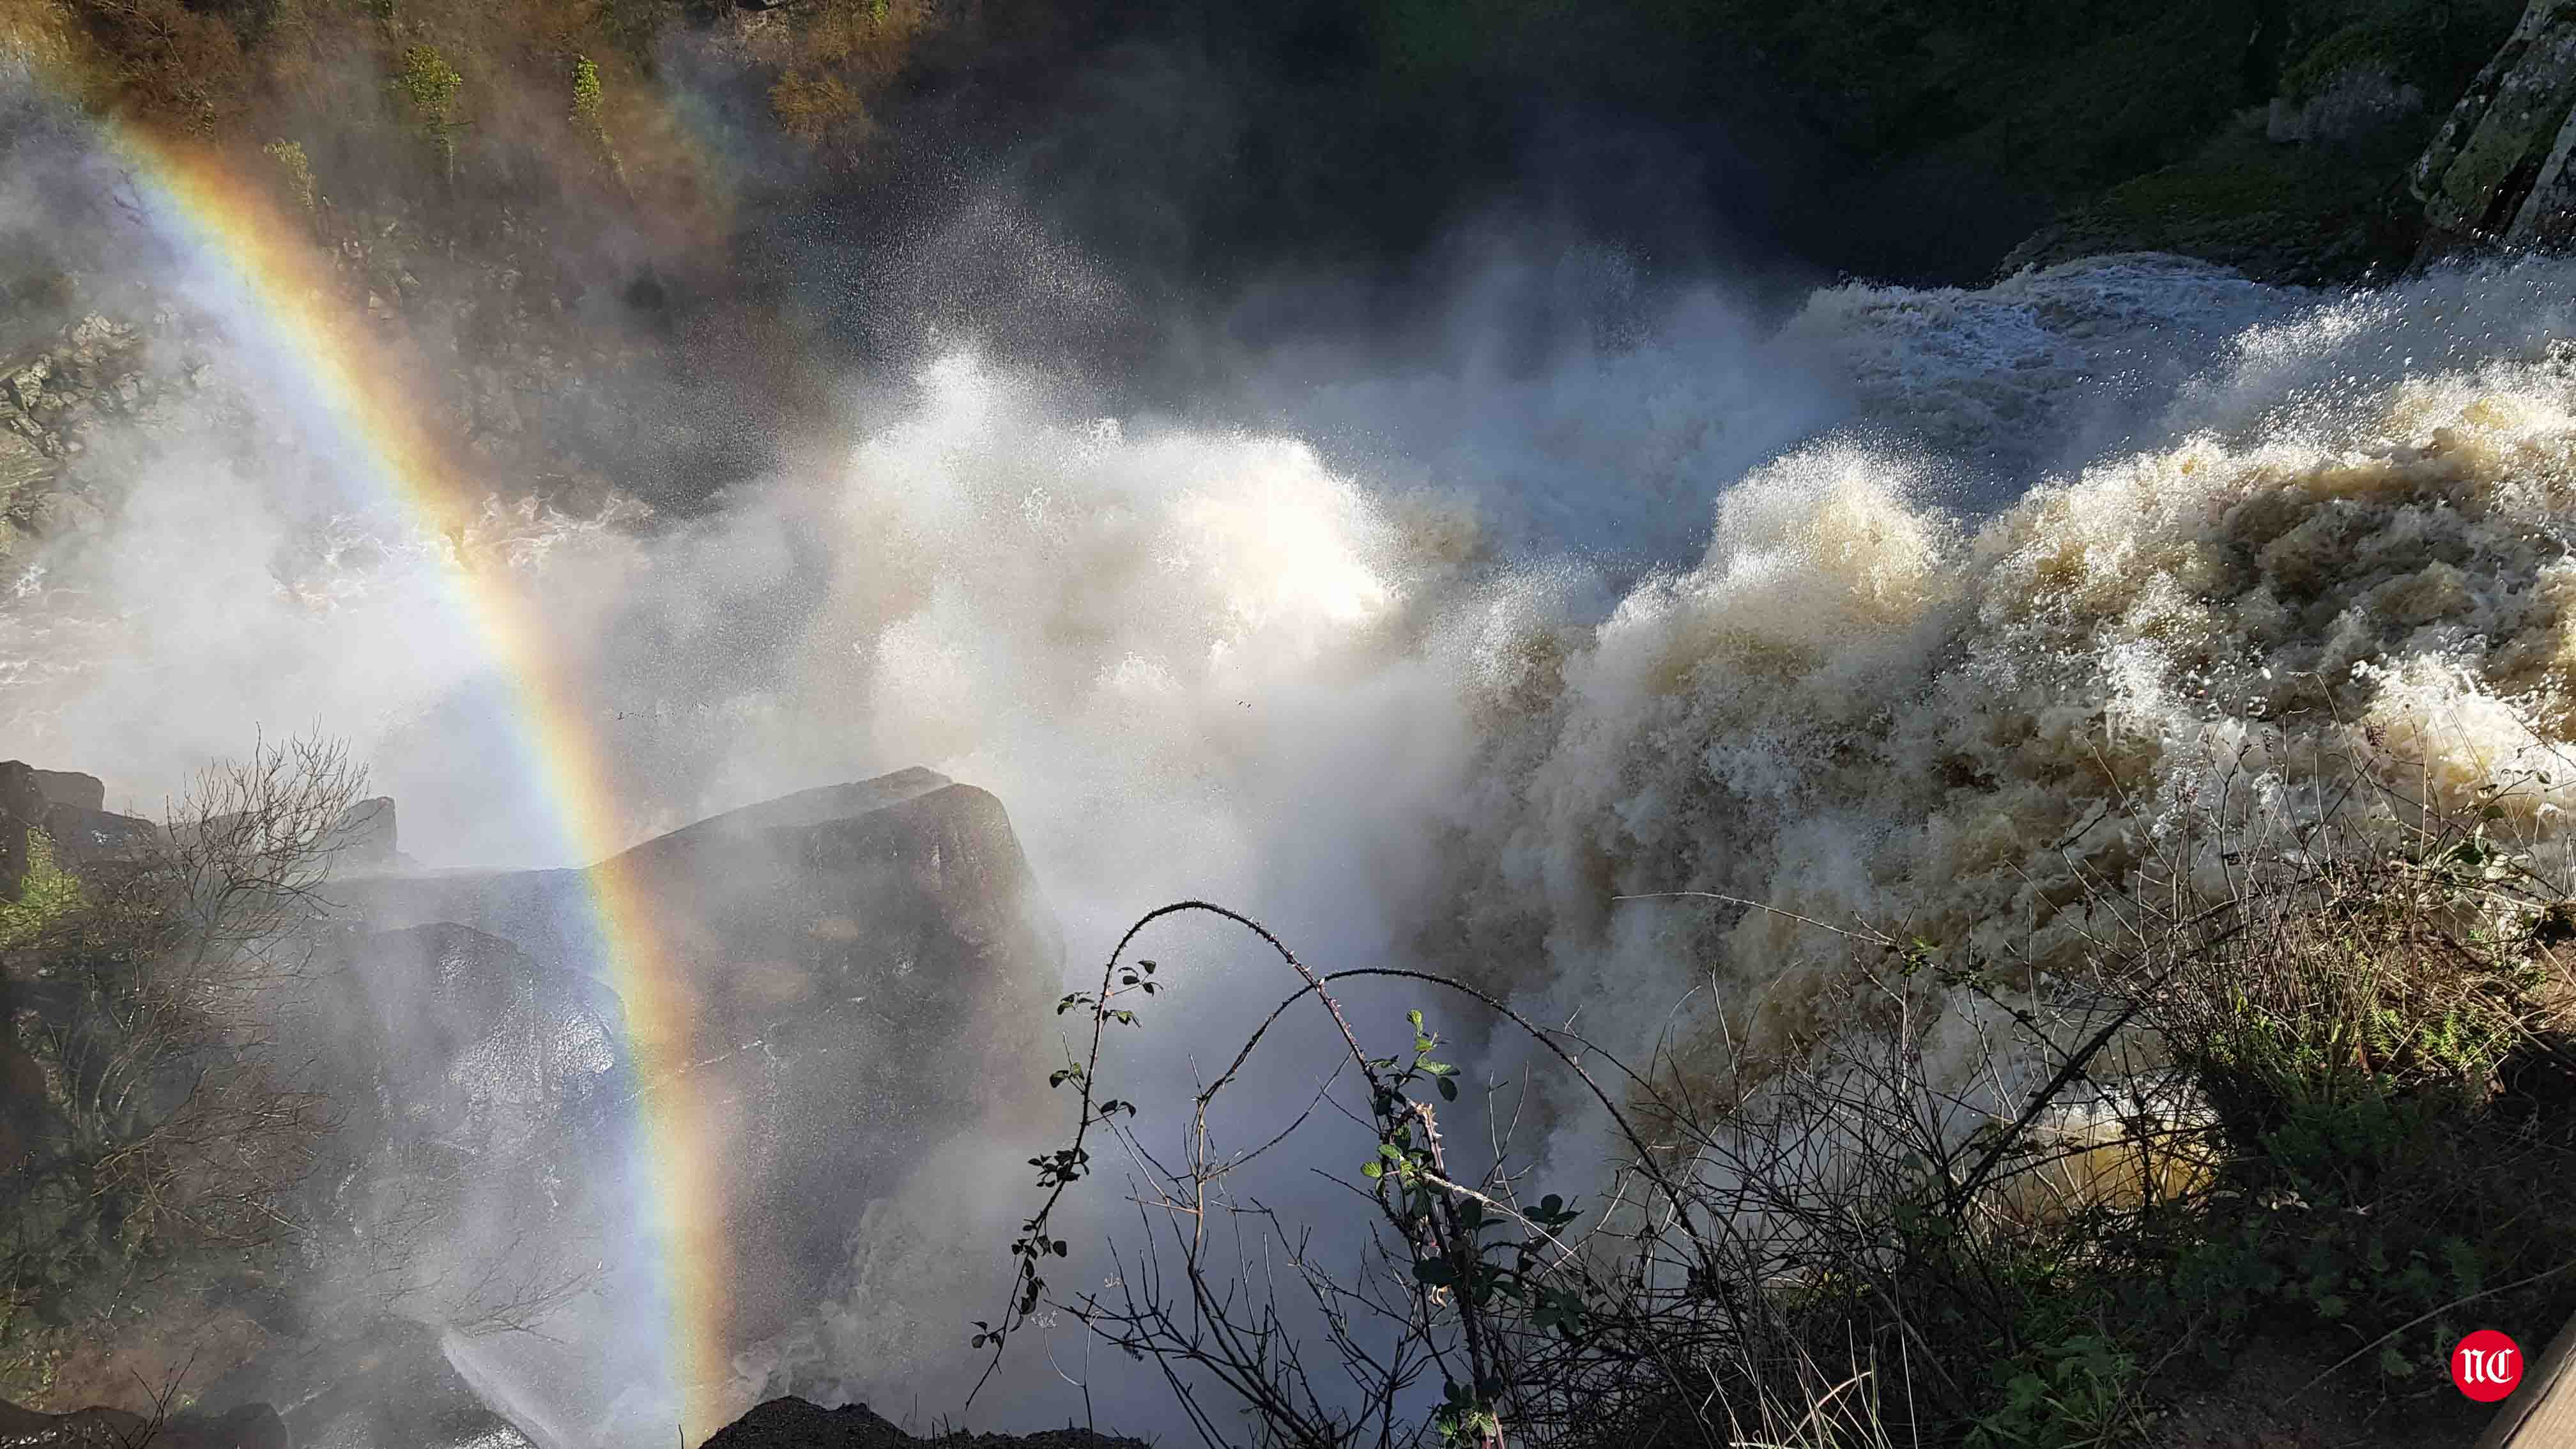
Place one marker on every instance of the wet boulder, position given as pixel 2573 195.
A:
pixel 465 1038
pixel 364 838
pixel 858 972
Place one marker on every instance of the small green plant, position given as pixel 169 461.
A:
pixel 2071 1394
pixel 48 897
pixel 588 116
pixel 297 172
pixel 1445 1227
pixel 586 94
pixel 432 89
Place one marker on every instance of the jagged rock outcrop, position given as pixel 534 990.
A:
pixel 66 807
pixel 94 373
pixel 796 1424
pixel 70 787
pixel 2497 171
pixel 365 838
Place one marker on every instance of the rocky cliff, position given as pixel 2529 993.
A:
pixel 865 969
pixel 66 808
pixel 2496 173
pixel 56 393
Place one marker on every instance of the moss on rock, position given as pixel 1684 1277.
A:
pixel 2295 214
pixel 2435 46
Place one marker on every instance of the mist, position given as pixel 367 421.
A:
pixel 1426 631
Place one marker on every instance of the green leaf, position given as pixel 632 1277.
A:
pixel 1448 1088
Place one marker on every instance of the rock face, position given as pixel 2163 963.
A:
pixel 796 1424
pixel 548 912
pixel 473 1042
pixel 93 374
pixel 70 787
pixel 864 970
pixel 882 980
pixel 2357 101
pixel 365 837
pixel 65 806
pixel 2497 171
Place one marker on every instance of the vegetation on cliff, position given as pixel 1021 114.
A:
pixel 1320 127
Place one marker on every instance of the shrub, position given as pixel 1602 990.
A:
pixel 585 92
pixel 167 1136
pixel 430 86
pixel 2356 982
pixel 47 897
pixel 296 170
pixel 2355 1041
pixel 588 115
pixel 832 55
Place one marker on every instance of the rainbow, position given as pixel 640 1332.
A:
pixel 354 382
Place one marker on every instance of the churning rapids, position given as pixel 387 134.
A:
pixel 1863 615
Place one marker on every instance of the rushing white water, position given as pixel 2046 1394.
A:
pixel 1867 616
